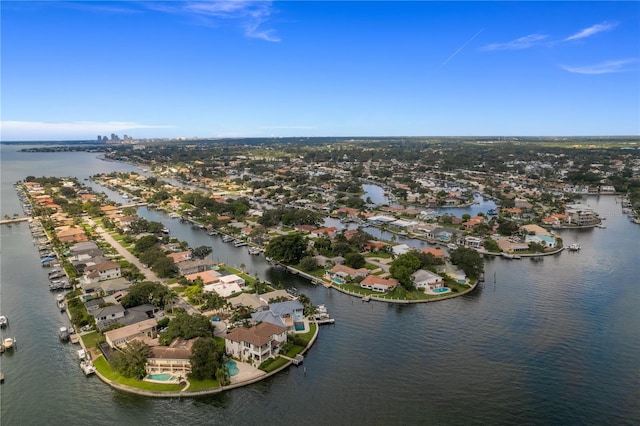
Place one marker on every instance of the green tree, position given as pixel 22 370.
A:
pixel 354 260
pixel 289 249
pixel 308 263
pixel 205 359
pixel 144 292
pixel 402 268
pixel 468 260
pixel 188 327
pixel 491 245
pixel 164 267
pixel 201 252
pixel 194 294
pixel 145 243
pixel 131 360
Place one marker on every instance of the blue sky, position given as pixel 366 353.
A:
pixel 73 70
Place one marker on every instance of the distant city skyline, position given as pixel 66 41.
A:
pixel 172 69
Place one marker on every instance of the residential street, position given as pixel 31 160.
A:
pixel 148 273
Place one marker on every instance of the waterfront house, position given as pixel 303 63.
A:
pixel 401 249
pixel 436 252
pixel 267 316
pixel 347 273
pixel 329 232
pixel 249 300
pixel 173 359
pixel 256 344
pixel 120 336
pixel 222 289
pixel 107 315
pixel 473 242
pixel 115 285
pixel 424 279
pixel 232 279
pixel 192 266
pixel 182 256
pixel 102 271
pixel 381 285
pixel 207 277
pixel 581 215
pixel 290 312
pixel 544 240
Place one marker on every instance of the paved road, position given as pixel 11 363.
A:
pixel 148 273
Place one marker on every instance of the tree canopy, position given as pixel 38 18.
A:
pixel 187 326
pixel 468 260
pixel 206 360
pixel 146 292
pixel 403 266
pixel 289 249
pixel 131 360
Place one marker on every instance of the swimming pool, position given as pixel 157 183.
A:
pixel 338 280
pixel 441 290
pixel 299 326
pixel 162 377
pixel 232 367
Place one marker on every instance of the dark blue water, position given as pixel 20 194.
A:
pixel 551 342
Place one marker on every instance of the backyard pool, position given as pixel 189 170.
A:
pixel 441 290
pixel 338 280
pixel 232 367
pixel 162 377
pixel 299 326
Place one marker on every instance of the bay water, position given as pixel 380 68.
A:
pixel 550 342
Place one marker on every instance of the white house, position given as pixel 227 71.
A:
pixel 255 344
pixel 232 279
pixel 426 279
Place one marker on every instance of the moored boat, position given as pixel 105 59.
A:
pixel 4 321
pixel 9 342
pixel 63 333
pixel 574 247
pixel 87 367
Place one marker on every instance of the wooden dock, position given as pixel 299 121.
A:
pixel 14 220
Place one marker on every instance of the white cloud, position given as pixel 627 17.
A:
pixel 517 44
pixel 33 130
pixel 601 68
pixel 250 15
pixel 592 30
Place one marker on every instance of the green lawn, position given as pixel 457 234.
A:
pixel 90 339
pixel 104 368
pixel 274 364
pixel 196 385
pixel 295 350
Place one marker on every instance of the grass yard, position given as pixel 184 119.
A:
pixel 104 368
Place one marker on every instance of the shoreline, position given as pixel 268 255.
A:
pixel 189 394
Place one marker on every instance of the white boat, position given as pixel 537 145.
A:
pixel 227 239
pixel 63 333
pixel 574 247
pixel 87 367
pixel 239 243
pixel 254 250
pixel 8 342
pixel 4 321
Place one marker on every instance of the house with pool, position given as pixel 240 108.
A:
pixel 256 344
pixel 165 363
pixel 427 280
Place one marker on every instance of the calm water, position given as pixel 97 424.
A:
pixel 553 342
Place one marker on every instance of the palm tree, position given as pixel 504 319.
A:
pixel 169 298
